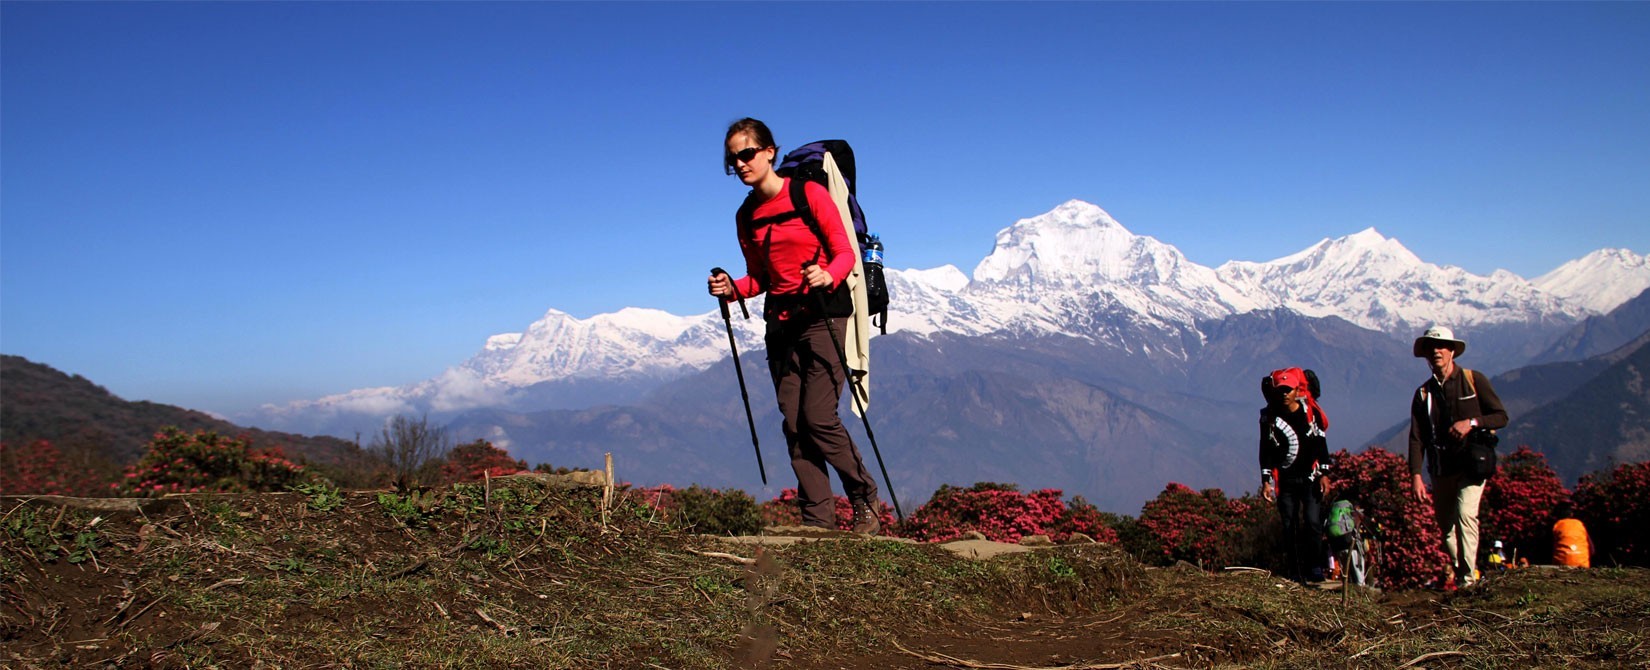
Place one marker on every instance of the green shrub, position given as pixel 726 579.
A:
pixel 705 510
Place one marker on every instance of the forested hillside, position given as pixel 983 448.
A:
pixel 101 431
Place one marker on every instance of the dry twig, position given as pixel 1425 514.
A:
pixel 1436 654
pixel 506 630
pixel 732 557
pixel 963 663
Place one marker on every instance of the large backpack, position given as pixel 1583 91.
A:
pixel 1313 391
pixel 808 163
pixel 1278 449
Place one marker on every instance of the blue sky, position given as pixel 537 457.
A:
pixel 223 205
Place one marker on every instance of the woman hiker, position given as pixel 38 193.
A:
pixel 1294 466
pixel 784 258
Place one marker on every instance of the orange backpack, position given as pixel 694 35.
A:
pixel 1570 544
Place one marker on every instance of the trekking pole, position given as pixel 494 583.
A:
pixel 727 319
pixel 842 358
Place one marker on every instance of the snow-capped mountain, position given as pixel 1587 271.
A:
pixel 1074 271
pixel 1600 280
pixel 1375 282
pixel 632 346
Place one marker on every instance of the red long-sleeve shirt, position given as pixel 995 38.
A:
pixel 774 252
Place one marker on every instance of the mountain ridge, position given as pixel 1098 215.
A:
pixel 1074 270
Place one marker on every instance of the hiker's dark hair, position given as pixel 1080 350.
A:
pixel 756 129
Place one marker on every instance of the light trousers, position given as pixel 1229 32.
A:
pixel 1455 501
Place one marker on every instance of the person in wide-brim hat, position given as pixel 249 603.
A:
pixel 1435 335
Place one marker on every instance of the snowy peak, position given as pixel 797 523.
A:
pixel 632 342
pixel 1082 265
pixel 1377 283
pixel 1359 253
pixel 1600 280
pixel 1075 243
pixel 1365 249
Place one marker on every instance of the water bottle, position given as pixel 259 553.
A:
pixel 873 251
pixel 876 287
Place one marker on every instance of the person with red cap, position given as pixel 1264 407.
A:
pixel 1451 405
pixel 1294 467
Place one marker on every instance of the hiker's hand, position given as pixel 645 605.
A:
pixel 1266 492
pixel 1459 429
pixel 816 277
pixel 1421 490
pixel 720 286
pixel 1323 486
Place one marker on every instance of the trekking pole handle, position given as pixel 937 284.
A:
pixel 805 265
pixel 740 298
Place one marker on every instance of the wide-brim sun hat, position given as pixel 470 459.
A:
pixel 1438 334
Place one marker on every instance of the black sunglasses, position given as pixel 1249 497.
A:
pixel 745 155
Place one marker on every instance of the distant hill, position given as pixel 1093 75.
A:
pixel 1603 422
pixel 38 402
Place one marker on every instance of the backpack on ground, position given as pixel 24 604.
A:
pixel 818 162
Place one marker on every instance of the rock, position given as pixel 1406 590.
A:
pixel 1036 541
pixel 1079 538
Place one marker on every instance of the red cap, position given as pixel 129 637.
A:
pixel 1291 377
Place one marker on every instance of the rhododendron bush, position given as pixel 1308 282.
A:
pixel 1203 527
pixel 1519 504
pixel 204 461
pixel 1379 483
pixel 476 461
pixel 1003 514
pixel 1615 506
pixel 32 469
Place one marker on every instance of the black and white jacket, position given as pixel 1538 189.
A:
pixel 1293 445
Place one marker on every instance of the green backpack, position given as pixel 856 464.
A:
pixel 1342 522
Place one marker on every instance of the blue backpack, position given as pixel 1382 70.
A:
pixel 807 163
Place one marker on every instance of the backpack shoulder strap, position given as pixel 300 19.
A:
pixel 799 202
pixel 1472 387
pixel 746 210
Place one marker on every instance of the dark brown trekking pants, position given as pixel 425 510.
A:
pixel 808 380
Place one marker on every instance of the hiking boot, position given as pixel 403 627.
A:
pixel 865 519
